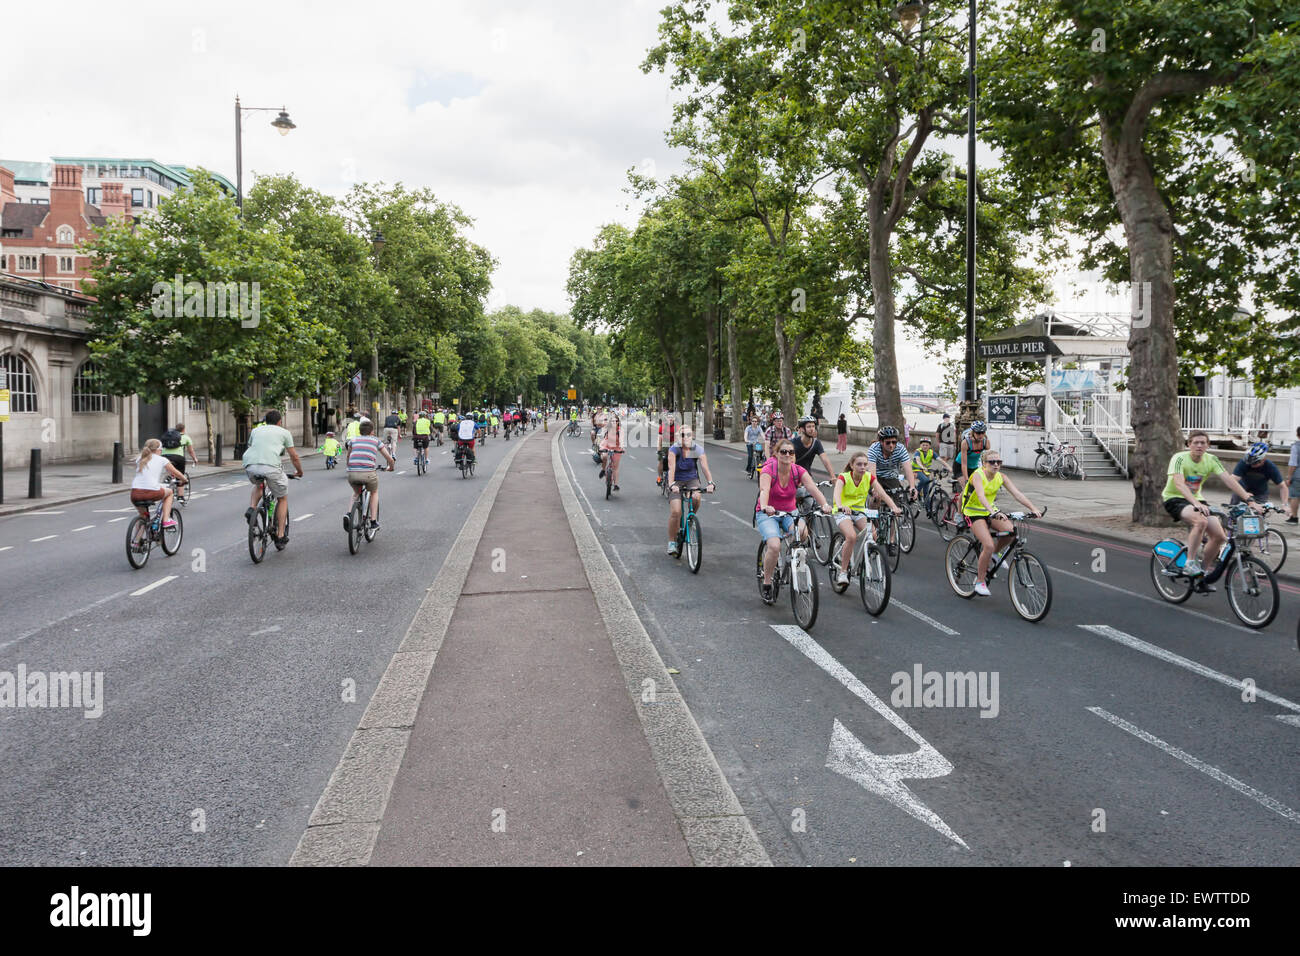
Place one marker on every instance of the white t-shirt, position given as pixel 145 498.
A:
pixel 465 430
pixel 149 477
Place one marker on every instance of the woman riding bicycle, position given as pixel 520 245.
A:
pixel 852 489
pixel 777 482
pixel 611 441
pixel 989 525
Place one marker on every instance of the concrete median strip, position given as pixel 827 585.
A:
pixel 713 823
pixel 345 824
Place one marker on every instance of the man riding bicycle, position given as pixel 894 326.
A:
pixel 262 464
pixel 611 441
pixel 465 433
pixel 420 436
pixel 392 429
pixel 886 459
pixel 1256 473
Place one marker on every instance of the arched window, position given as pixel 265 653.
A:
pixel 87 391
pixel 65 236
pixel 22 383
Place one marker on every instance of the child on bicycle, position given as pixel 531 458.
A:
pixel 330 448
pixel 147 486
pixel 363 468
pixel 852 489
pixel 989 525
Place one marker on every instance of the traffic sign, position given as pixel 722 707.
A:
pixel 435 395
pixel 4 404
pixel 573 394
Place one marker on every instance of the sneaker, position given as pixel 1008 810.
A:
pixel 1203 588
pixel 248 514
pixel 1193 568
pixel 672 550
pixel 602 473
pixel 374 524
pixel 1292 521
pixel 981 589
pixel 841 577
pixel 169 523
pixel 767 593
pixel 616 487
pixel 281 543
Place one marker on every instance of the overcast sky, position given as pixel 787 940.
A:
pixel 527 115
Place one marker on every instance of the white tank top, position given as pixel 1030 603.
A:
pixel 149 478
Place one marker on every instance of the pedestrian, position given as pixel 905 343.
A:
pixel 1293 479
pixel 907 434
pixel 842 434
pixel 947 440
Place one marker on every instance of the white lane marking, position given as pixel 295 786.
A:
pixel 46 538
pixel 29 514
pixel 648 468
pixel 882 775
pixel 401 472
pixel 574 477
pixel 928 620
pixel 84 527
pixel 1292 719
pixel 149 587
pixel 199 495
pixel 747 524
pixel 111 520
pixel 305 517
pixel 266 630
pixel 111 511
pixel 7 547
pixel 1261 798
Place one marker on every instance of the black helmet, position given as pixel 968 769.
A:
pixel 888 431
pixel 977 426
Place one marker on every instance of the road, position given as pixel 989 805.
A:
pixel 1093 727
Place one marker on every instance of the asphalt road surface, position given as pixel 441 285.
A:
pixel 1118 733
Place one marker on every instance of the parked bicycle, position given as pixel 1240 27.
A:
pixel 1252 588
pixel 794 570
pixel 1028 583
pixel 146 530
pixel 867 564
pixel 1061 460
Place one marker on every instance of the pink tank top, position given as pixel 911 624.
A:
pixel 782 497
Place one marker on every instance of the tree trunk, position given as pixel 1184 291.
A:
pixel 710 366
pixel 785 351
pixel 889 401
pixel 307 436
pixel 410 397
pixel 733 362
pixel 688 399
pixel 207 420
pixel 1153 350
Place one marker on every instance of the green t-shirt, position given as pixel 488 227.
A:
pixel 179 449
pixel 1195 472
pixel 265 445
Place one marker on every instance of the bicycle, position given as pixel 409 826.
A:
pixel 180 489
pixel 609 472
pixel 688 533
pixel 757 450
pixel 573 430
pixel 1270 546
pixel 1028 584
pixel 463 460
pixel 793 570
pixel 1059 460
pixel 888 535
pixel 820 526
pixel 261 524
pixel 1252 588
pixel 947 513
pixel 357 521
pixel 422 459
pixel 906 521
pixel 867 564
pixel 145 530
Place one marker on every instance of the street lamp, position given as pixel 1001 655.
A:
pixel 281 122
pixel 969 392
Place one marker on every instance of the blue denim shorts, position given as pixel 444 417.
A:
pixel 770 526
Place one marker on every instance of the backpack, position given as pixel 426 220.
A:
pixel 171 438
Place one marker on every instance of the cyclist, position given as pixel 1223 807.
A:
pixel 1184 502
pixel 777 482
pixel 401 432
pixel 973 444
pixel 852 489
pixel 174 444
pixel 420 436
pixel 363 470
pixel 147 486
pixel 597 423
pixel 392 429
pixel 778 432
pixel 887 460
pixel 439 420
pixel 496 422
pixel 988 524
pixel 262 464
pixel 922 461
pixel 666 440
pixel 753 435
pixel 352 430
pixel 1256 472
pixel 808 447
pixel 330 447
pixel 684 463
pixel 611 440
pixel 465 435
pixel 947 439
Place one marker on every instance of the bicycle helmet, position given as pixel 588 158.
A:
pixel 807 420
pixel 977 427
pixel 887 431
pixel 779 416
pixel 1257 453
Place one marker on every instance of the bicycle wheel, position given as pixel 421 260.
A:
pixel 907 531
pixel 137 542
pixel 257 535
pixel 874 581
pixel 171 537
pixel 609 482
pixel 1172 589
pixel 776 575
pixel 803 594
pixel 1030 587
pixel 367 530
pixel 961 561
pixel 892 549
pixel 354 527
pixel 694 545
pixel 833 565
pixel 949 520
pixel 1042 466
pixel 938 503
pixel 821 531
pixel 1270 549
pixel 1070 468
pixel 1252 591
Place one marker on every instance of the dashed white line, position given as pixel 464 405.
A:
pixel 199 495
pixel 46 538
pixel 84 527
pixel 1214 772
pixel 305 517
pixel 747 524
pixel 149 587
pixel 111 520
pixel 925 617
pixel 7 547
pixel 31 513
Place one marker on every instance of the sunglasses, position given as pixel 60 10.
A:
pixel 785 451
pixel 889 441
pixel 994 461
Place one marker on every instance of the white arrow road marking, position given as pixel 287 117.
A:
pixel 1292 719
pixel 1140 645
pixel 305 517
pixel 84 527
pixel 928 620
pixel 1261 798
pixel 46 538
pixel 149 587
pixel 882 775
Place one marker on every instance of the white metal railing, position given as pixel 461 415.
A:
pixel 1111 433
pixel 1240 417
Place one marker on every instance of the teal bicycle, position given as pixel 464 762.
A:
pixel 688 533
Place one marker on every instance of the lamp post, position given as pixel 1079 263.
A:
pixel 970 391
pixel 281 122
pixel 719 434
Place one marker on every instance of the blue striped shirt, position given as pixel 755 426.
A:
pixel 364 455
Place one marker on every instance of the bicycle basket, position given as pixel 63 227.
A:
pixel 1251 526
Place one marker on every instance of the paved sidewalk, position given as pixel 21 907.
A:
pixel 526 748
pixel 63 484
pixel 1102 508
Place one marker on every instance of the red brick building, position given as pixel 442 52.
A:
pixel 41 241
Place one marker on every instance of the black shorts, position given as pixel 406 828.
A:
pixel 420 441
pixel 178 461
pixel 1175 507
